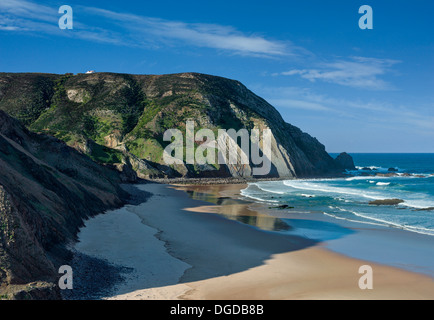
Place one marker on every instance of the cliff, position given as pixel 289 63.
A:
pixel 47 189
pixel 120 119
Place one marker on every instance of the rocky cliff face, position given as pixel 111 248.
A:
pixel 47 189
pixel 120 119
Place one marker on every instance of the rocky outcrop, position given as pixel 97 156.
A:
pixel 47 189
pixel 127 174
pixel 345 161
pixel 386 202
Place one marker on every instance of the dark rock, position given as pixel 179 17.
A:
pixel 426 209
pixel 392 170
pixel 387 202
pixel 283 206
pixel 33 291
pixel 366 169
pixel 390 174
pixel 127 174
pixel 366 174
pixel 345 161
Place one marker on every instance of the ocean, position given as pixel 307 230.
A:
pixel 348 198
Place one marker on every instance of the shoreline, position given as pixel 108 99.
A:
pixel 215 257
pixel 232 180
pixel 351 238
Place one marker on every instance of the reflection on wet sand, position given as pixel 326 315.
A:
pixel 230 208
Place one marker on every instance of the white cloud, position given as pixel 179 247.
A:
pixel 29 17
pixel 20 11
pixel 8 28
pixel 213 36
pixel 359 72
pixel 137 31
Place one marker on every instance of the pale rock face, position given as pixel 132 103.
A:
pixel 167 93
pixel 240 114
pixel 244 168
pixel 288 170
pixel 280 159
pixel 113 140
pixel 76 95
pixel 241 167
pixel 83 146
pixel 277 155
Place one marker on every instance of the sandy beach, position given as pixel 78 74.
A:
pixel 200 242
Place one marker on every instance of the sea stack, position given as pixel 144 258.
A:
pixel 345 161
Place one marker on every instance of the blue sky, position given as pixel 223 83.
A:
pixel 355 90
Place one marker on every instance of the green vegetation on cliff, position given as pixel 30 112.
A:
pixel 120 118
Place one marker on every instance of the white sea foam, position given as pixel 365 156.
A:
pixel 375 168
pixel 355 178
pixel 246 194
pixel 368 177
pixel 351 220
pixel 344 193
pixel 418 203
pixel 414 200
pixel 307 195
pixel 369 167
pixel 378 221
pixel 268 190
pixel 383 183
pixel 400 225
pixel 311 186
